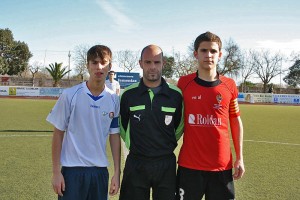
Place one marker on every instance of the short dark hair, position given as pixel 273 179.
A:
pixel 100 51
pixel 162 54
pixel 111 72
pixel 207 37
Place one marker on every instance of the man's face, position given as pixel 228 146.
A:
pixel 98 68
pixel 152 65
pixel 208 55
pixel 111 76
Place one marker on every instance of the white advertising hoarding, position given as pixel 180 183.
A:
pixel 4 90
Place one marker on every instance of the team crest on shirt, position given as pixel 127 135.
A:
pixel 111 115
pixel 104 113
pixel 168 119
pixel 219 100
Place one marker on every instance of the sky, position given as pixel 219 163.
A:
pixel 52 28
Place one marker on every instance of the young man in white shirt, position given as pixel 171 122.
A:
pixel 113 84
pixel 83 117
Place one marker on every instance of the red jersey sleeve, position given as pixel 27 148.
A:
pixel 234 110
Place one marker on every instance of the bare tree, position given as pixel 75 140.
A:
pixel 34 68
pixel 127 59
pixel 80 59
pixel 191 49
pixel 231 59
pixel 294 56
pixel 246 67
pixel 266 66
pixel 184 64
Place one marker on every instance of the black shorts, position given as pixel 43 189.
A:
pixel 88 183
pixel 193 184
pixel 141 175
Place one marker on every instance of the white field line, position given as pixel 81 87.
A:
pixel 125 150
pixel 22 135
pixel 268 142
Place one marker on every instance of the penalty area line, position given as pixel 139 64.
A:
pixel 268 142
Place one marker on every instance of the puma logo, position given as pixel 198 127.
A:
pixel 138 117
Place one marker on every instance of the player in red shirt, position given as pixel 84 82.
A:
pixel 210 100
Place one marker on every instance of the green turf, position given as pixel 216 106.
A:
pixel 272 169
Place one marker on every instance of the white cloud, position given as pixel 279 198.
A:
pixel 121 21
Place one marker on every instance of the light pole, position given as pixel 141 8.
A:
pixel 45 58
pixel 69 55
pixel 280 76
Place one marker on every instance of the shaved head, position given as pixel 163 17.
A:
pixel 151 47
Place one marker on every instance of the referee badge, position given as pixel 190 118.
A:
pixel 168 119
pixel 111 115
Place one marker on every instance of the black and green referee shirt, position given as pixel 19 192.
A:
pixel 151 123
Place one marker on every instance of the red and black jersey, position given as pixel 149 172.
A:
pixel 208 108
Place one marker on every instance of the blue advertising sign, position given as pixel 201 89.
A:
pixel 51 92
pixel 127 78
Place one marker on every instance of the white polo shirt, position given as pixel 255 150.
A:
pixel 114 85
pixel 87 121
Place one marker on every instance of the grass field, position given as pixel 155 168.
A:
pixel 271 151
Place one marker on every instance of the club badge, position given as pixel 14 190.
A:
pixel 168 119
pixel 219 99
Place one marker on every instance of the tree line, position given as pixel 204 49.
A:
pixel 262 64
